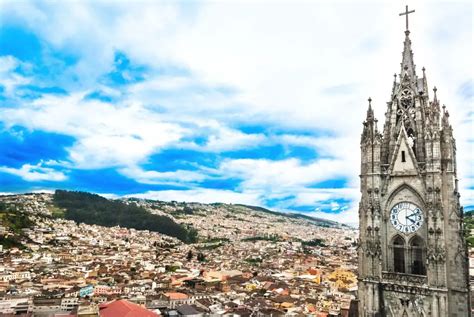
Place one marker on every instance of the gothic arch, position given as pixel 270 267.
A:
pixel 416 240
pixel 400 188
pixel 398 247
pixel 398 239
pixel 417 255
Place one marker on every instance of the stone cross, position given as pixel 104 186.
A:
pixel 406 13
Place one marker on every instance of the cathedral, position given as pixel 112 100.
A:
pixel 412 253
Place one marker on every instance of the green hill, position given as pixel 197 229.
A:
pixel 94 209
pixel 14 222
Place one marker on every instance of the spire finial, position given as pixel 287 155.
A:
pixel 370 112
pixel 435 90
pixel 406 13
pixel 423 69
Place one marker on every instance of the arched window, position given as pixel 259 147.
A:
pixel 399 254
pixel 417 255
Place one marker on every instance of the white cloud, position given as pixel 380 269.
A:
pixel 280 176
pixel 307 66
pixel 220 138
pixel 8 78
pixel 107 135
pixel 36 172
pixel 203 195
pixel 348 216
pixel 178 177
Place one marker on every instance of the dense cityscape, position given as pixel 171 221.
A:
pixel 236 158
pixel 246 261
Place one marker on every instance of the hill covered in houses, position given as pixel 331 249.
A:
pixel 189 222
pixel 96 210
pixel 261 255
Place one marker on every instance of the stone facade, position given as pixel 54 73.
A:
pixel 420 271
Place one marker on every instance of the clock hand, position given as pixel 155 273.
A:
pixel 409 217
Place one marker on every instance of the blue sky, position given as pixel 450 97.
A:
pixel 243 102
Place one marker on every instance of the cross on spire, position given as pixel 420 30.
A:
pixel 406 13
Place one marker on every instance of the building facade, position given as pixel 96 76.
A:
pixel 412 253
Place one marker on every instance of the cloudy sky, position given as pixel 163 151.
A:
pixel 254 102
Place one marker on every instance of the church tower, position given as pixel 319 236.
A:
pixel 412 253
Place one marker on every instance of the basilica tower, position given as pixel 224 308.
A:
pixel 412 254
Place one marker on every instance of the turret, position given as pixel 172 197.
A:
pixel 370 143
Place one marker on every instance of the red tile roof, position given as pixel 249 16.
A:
pixel 175 295
pixel 124 308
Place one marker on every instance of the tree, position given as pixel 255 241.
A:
pixel 201 257
pixel 190 255
pixel 94 209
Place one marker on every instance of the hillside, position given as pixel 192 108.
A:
pixel 317 221
pixel 20 212
pixel 15 222
pixel 220 222
pixel 94 209
pixel 189 222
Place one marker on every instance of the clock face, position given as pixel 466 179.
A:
pixel 406 217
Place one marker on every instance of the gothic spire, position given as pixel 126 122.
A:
pixel 370 112
pixel 407 61
pixel 425 82
pixel 445 121
pixel 407 65
pixel 370 125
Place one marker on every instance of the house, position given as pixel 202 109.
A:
pixel 124 308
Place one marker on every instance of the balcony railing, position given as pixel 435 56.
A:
pixel 404 278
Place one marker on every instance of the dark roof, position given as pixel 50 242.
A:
pixel 244 312
pixel 187 310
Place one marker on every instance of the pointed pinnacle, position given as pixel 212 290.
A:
pixel 370 112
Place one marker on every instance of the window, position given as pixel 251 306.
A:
pixel 399 255
pixel 417 256
pixel 403 156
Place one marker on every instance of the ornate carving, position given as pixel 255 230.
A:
pixel 436 255
pixel 404 278
pixel 373 249
pixel 406 289
pixel 406 98
pixel 422 167
pixel 461 254
pixel 418 305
